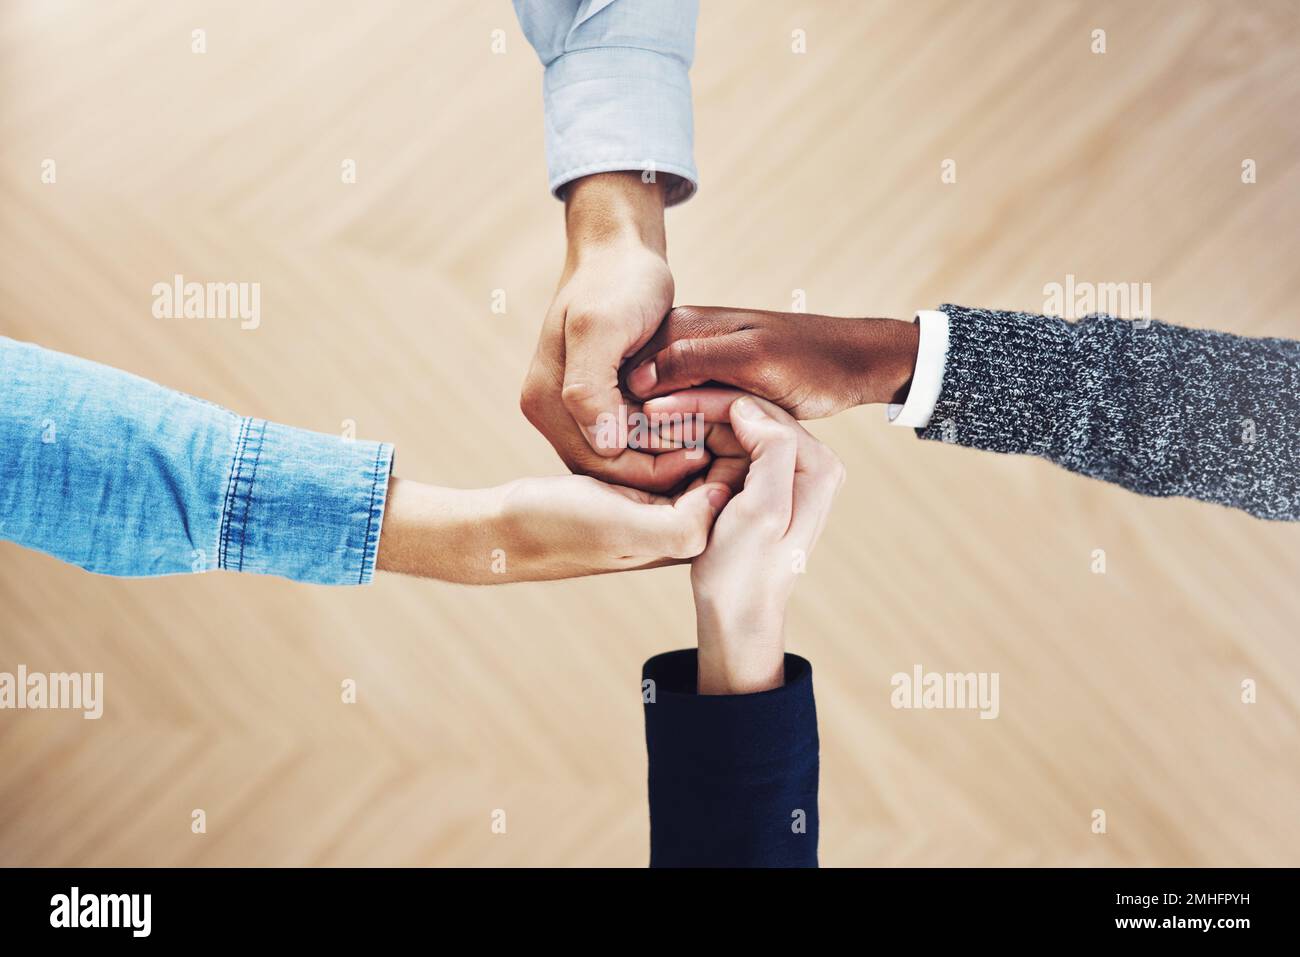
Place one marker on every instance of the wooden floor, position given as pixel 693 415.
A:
pixel 820 172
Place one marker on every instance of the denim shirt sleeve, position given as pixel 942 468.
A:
pixel 122 476
pixel 617 89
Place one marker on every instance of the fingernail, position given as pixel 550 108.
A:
pixel 747 408
pixel 718 498
pixel 643 377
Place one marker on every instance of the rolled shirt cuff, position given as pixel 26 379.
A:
pixel 619 108
pixel 303 505
pixel 927 377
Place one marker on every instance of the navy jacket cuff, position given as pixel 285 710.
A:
pixel 732 778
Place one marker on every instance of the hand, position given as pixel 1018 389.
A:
pixel 759 544
pixel 613 294
pixel 812 366
pixel 537 529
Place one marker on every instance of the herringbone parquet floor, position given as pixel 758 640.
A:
pixel 821 172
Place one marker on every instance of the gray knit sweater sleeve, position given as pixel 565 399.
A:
pixel 1159 409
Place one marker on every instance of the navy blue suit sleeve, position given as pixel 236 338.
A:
pixel 733 778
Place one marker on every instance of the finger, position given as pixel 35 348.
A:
pixel 730 459
pixel 713 403
pixel 729 471
pixel 819 475
pixel 680 530
pixel 654 473
pixel 659 433
pixel 730 462
pixel 668 431
pixel 772 446
pixel 721 441
pixel 593 353
pixel 541 404
pixel 690 362
pixel 691 322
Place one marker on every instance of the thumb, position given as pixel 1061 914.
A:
pixel 593 353
pixel 682 530
pixel 772 445
pixel 689 362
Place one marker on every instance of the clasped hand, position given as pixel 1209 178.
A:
pixel 734 481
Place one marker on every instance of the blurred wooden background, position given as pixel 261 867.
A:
pixel 820 172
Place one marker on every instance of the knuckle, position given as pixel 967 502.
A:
pixel 687 317
pixel 580 460
pixel 771 523
pixel 831 465
pixel 575 390
pixel 821 459
pixel 578 396
pixel 755 355
pixel 826 467
pixel 531 400
pixel 580 322
pixel 652 482
pixel 679 358
pixel 705 320
pixel 757 516
pixel 770 379
pixel 784 437
pixel 690 539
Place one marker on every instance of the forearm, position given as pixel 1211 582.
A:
pixel 122 476
pixel 1159 409
pixel 444 533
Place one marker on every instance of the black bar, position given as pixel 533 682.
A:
pixel 329 906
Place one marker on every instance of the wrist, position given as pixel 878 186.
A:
pixel 740 668
pixel 614 209
pixel 883 359
pixel 739 654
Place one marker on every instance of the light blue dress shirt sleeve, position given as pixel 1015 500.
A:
pixel 617 89
pixel 121 476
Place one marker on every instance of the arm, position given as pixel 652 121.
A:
pixel 121 476
pixel 1158 409
pixel 618 141
pixel 731 729
pixel 540 529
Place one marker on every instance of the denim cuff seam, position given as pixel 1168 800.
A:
pixel 224 532
pixel 372 527
pixel 239 492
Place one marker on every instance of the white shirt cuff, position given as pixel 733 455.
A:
pixel 927 377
